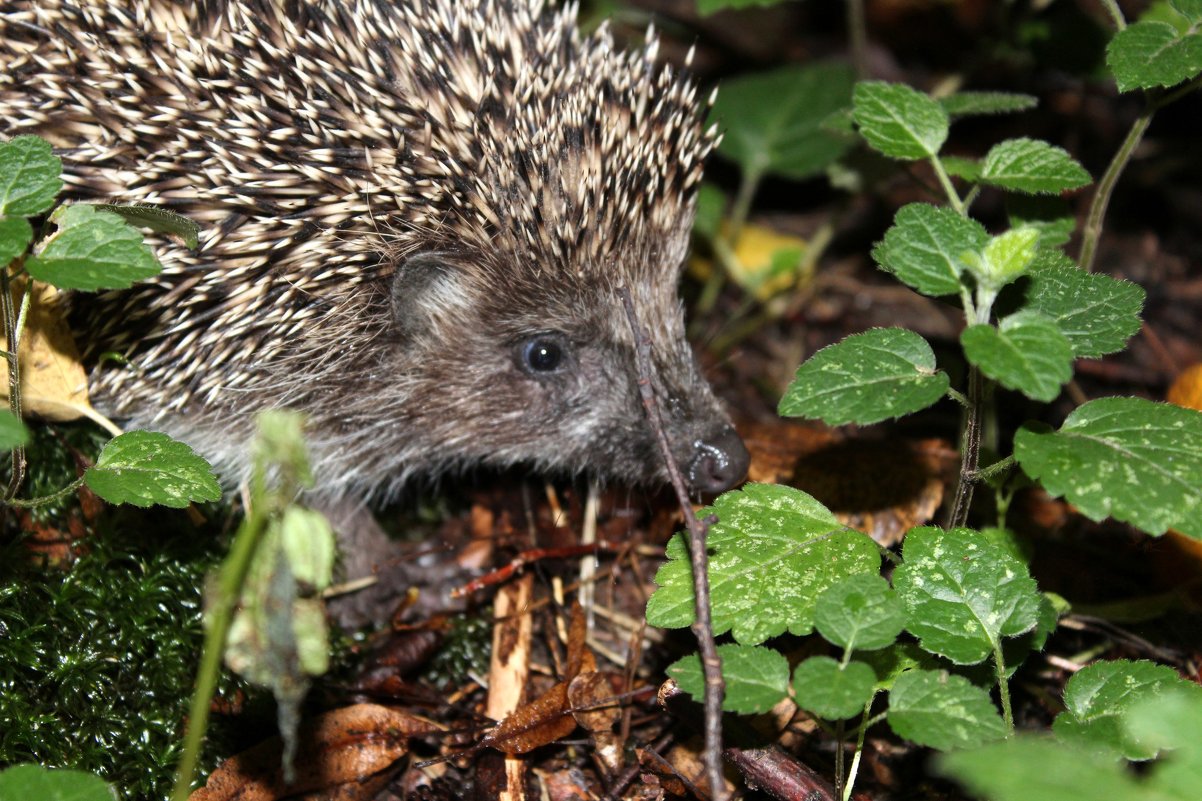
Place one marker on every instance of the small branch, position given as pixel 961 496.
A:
pixel 1101 196
pixel 857 33
pixel 702 627
pixel 12 330
pixel 995 469
pixel 970 451
pixel 46 499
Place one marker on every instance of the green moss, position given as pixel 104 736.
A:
pixel 97 659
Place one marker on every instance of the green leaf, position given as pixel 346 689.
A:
pixel 1051 216
pixel 157 219
pixel 1171 721
pixel 757 679
pixel 773 120
pixel 707 7
pixel 92 250
pixel 1035 768
pixel 1098 697
pixel 1026 353
pixel 866 378
pixel 29 176
pixel 711 206
pixel 773 550
pixel 1032 166
pixel 1005 258
pixel 1129 458
pixel 35 782
pixel 1148 54
pixel 960 167
pixel 941 710
pixel 12 431
pixel 308 542
pixel 860 613
pixel 1095 312
pixel 898 121
pixel 145 468
pixel 15 236
pixel 926 245
pixel 963 104
pixel 1190 9
pixel 833 691
pixel 963 594
pixel 901 657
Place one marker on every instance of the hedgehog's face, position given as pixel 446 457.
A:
pixel 545 375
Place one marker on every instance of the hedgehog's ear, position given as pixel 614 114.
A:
pixel 420 287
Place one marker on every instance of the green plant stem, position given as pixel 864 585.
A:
pixel 998 467
pixel 861 735
pixel 741 210
pixel 1116 13
pixel 46 499
pixel 725 242
pixel 1101 196
pixel 233 574
pixel 1003 688
pixel 958 397
pixel 857 33
pixel 970 451
pixel 953 197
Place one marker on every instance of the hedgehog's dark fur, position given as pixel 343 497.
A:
pixel 396 197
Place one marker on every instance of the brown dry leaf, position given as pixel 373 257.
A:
pixel 1187 388
pixel 540 722
pixel 881 487
pixel 592 700
pixel 53 382
pixel 347 745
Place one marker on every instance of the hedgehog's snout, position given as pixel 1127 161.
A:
pixel 719 462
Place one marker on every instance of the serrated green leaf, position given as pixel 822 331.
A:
pixel 1127 458
pixel 1190 9
pixel 1148 54
pixel 92 250
pixel 926 245
pixel 1098 697
pixel 963 104
pixel 833 691
pixel 963 594
pixel 866 378
pixel 157 219
pixel 1035 768
pixel 773 550
pixel 941 710
pixel 1051 216
pixel 860 613
pixel 1026 353
pixel 12 431
pixel 773 121
pixel 36 782
pixel 898 121
pixel 1006 257
pixel 15 235
pixel 145 468
pixel 29 176
pixel 1095 312
pixel 757 679
pixel 1033 166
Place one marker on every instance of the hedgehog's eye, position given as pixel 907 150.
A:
pixel 541 355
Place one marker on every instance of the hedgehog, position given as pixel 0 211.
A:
pixel 415 218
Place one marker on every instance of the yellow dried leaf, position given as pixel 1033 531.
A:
pixel 766 263
pixel 54 385
pixel 1187 389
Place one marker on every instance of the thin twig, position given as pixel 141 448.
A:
pixel 711 663
pixel 970 451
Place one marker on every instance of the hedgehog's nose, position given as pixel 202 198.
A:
pixel 719 462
